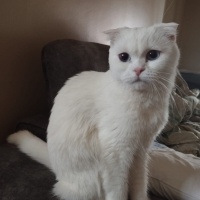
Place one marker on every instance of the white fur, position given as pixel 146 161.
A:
pixel 102 124
pixel 31 145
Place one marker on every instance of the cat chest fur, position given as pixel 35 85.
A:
pixel 128 117
pixel 112 122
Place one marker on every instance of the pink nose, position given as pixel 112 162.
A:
pixel 138 70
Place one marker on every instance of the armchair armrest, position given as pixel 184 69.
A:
pixel 36 124
pixel 192 79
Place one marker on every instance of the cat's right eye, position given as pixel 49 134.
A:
pixel 124 57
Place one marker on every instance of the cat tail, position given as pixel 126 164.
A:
pixel 31 145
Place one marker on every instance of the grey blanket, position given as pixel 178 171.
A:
pixel 22 178
pixel 182 132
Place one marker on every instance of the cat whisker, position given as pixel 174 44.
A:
pixel 152 90
pixel 173 104
pixel 179 89
pixel 161 83
pixel 161 73
pixel 157 91
pixel 171 97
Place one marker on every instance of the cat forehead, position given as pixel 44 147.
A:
pixel 159 33
pixel 137 39
pixel 142 35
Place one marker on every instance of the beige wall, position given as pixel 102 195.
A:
pixel 187 14
pixel 174 11
pixel 26 25
pixel 190 37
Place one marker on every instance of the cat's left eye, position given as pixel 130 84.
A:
pixel 152 55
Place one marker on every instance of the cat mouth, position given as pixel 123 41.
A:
pixel 138 83
pixel 138 80
pixel 135 81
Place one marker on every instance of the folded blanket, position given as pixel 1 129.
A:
pixel 182 131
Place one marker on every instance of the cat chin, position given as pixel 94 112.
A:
pixel 138 85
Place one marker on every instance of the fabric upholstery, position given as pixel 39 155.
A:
pixel 21 178
pixel 63 59
pixel 35 124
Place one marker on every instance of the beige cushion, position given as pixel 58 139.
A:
pixel 174 175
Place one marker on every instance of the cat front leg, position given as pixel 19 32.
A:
pixel 115 182
pixel 138 179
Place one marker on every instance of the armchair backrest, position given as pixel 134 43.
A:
pixel 63 59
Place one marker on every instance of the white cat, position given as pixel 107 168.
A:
pixel 102 124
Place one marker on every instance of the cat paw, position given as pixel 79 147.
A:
pixel 18 137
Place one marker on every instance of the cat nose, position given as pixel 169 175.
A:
pixel 138 70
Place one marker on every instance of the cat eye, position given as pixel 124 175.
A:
pixel 124 57
pixel 152 55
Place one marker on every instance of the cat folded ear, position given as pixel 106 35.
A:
pixel 113 34
pixel 170 30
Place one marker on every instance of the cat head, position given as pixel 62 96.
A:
pixel 143 57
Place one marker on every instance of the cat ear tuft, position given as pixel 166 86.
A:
pixel 113 34
pixel 170 30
